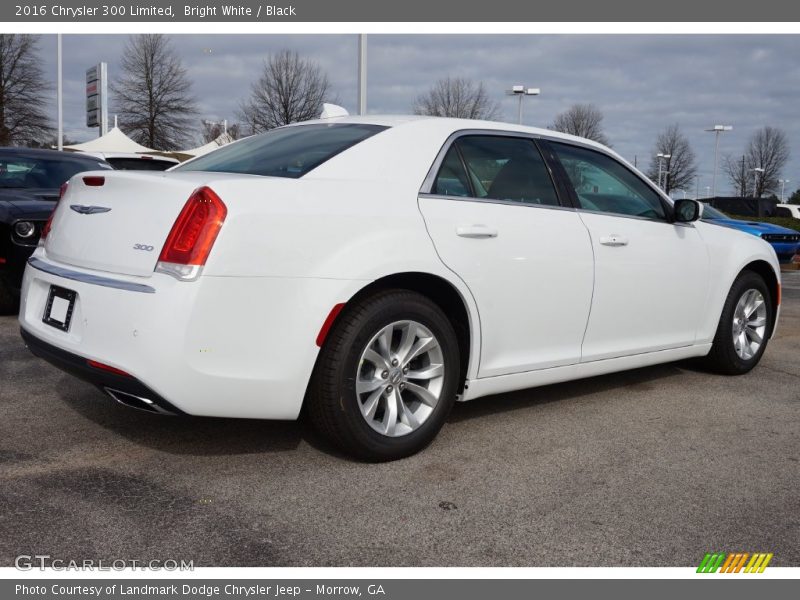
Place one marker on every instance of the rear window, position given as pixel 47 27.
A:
pixel 285 152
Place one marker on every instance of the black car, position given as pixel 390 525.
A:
pixel 30 180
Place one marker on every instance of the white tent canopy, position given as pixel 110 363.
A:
pixel 221 140
pixel 113 141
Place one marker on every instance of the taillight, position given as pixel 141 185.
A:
pixel 192 236
pixel 49 224
pixel 94 180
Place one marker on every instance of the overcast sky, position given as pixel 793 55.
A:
pixel 641 83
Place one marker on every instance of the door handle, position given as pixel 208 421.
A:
pixel 613 240
pixel 476 231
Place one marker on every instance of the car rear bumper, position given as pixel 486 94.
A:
pixel 219 346
pixel 125 390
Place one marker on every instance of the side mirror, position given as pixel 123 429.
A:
pixel 688 211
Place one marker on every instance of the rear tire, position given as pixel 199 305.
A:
pixel 744 327
pixel 370 394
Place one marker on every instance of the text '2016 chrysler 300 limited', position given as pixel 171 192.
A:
pixel 376 269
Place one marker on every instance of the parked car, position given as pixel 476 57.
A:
pixel 29 186
pixel 134 161
pixel 785 241
pixel 373 270
pixel 788 210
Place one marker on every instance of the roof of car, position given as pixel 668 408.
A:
pixel 456 125
pixel 44 153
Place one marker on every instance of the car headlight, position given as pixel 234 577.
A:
pixel 24 229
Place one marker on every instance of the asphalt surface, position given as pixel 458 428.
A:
pixel 652 467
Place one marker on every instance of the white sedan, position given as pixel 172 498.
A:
pixel 374 270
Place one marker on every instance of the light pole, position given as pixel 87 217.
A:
pixel 521 91
pixel 60 99
pixel 697 187
pixel 717 129
pixel 708 191
pixel 661 156
pixel 756 171
pixel 362 74
pixel 783 183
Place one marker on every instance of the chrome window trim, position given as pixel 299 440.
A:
pixel 119 284
pixel 637 217
pixel 495 201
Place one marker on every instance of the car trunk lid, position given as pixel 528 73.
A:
pixel 119 224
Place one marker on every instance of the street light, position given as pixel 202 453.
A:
pixel 717 129
pixel 521 91
pixel 697 187
pixel 783 183
pixel 660 156
pixel 756 171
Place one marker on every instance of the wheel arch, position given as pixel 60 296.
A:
pixel 764 270
pixel 447 297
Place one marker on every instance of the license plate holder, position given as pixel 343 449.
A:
pixel 59 307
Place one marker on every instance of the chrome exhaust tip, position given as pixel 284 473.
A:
pixel 137 402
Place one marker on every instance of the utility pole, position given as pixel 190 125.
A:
pixel 744 191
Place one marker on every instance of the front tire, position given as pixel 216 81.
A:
pixel 386 377
pixel 744 327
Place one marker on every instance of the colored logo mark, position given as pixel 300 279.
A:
pixel 734 562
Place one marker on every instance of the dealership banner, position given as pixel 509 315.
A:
pixel 391 589
pixel 444 11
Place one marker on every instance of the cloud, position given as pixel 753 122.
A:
pixel 642 83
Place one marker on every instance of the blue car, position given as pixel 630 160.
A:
pixel 786 242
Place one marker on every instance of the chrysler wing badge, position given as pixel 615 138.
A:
pixel 88 210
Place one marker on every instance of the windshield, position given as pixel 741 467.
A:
pixel 285 152
pixel 25 172
pixel 709 212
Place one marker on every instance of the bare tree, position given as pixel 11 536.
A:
pixel 211 130
pixel 583 120
pixel 457 97
pixel 23 110
pixel 154 95
pixel 290 89
pixel 679 169
pixel 737 171
pixel 767 149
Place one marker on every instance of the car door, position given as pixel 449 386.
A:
pixel 495 218
pixel 651 274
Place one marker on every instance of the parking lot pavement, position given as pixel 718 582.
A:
pixel 651 467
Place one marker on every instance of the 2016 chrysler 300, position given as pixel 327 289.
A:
pixel 374 270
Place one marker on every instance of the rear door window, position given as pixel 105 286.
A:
pixel 496 168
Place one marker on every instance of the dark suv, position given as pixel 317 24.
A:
pixel 30 180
